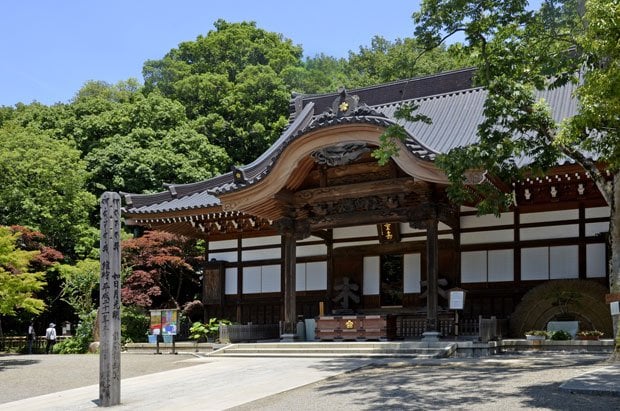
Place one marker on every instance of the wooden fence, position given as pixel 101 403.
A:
pixel 413 326
pixel 19 344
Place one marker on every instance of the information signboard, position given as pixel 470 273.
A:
pixel 164 322
pixel 457 299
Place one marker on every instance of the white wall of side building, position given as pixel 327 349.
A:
pixel 554 260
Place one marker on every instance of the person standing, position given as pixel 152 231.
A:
pixel 50 337
pixel 32 336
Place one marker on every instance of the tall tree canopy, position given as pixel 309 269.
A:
pixel 230 83
pixel 42 185
pixel 518 52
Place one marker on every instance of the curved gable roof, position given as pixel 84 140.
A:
pixel 455 107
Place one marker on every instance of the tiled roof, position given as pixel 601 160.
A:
pixel 448 99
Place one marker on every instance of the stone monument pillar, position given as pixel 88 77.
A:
pixel 110 301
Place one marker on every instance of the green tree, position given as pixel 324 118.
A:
pixel 18 285
pixel 318 74
pixel 42 186
pixel 386 61
pixel 152 144
pixel 230 83
pixel 79 282
pixel 520 51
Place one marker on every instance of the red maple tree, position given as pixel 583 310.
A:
pixel 162 270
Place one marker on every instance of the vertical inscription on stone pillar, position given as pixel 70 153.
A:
pixel 110 301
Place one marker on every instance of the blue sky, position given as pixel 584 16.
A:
pixel 49 49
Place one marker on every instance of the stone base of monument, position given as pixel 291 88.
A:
pixel 93 347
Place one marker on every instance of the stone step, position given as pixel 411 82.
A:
pixel 421 350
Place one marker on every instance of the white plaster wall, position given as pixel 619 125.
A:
pixel 300 277
pixel 316 276
pixel 251 280
pixel 593 229
pixel 595 260
pixel 311 250
pixel 535 263
pixel 230 281
pixel 352 232
pixel 230 256
pixel 405 228
pixel 412 273
pixel 560 215
pixel 597 212
pixel 474 266
pixel 260 241
pixel 371 275
pixel 498 236
pixel 487 220
pixel 311 276
pixel 543 233
pixel 218 245
pixel 266 254
pixel 500 265
pixel 270 278
pixel 564 262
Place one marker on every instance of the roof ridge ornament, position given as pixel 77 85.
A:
pixel 238 176
pixel 345 104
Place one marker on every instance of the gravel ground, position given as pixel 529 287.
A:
pixel 517 383
pixel 510 382
pixel 25 376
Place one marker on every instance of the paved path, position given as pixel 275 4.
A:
pixel 553 381
pixel 208 384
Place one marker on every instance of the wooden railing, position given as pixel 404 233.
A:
pixel 19 344
pixel 408 326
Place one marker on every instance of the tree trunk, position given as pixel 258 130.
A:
pixel 614 261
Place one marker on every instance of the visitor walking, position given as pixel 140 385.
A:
pixel 50 337
pixel 32 336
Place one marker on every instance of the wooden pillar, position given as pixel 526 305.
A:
pixel 329 243
pixel 432 274
pixel 110 301
pixel 289 252
pixel 239 313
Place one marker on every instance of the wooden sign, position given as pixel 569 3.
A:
pixel 609 298
pixel 389 232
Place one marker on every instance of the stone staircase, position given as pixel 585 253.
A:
pixel 410 349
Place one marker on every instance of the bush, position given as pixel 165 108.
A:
pixel 78 344
pixel 134 324
pixel 560 335
pixel 206 331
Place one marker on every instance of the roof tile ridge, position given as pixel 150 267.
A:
pixel 432 96
pixel 390 83
pixel 299 123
